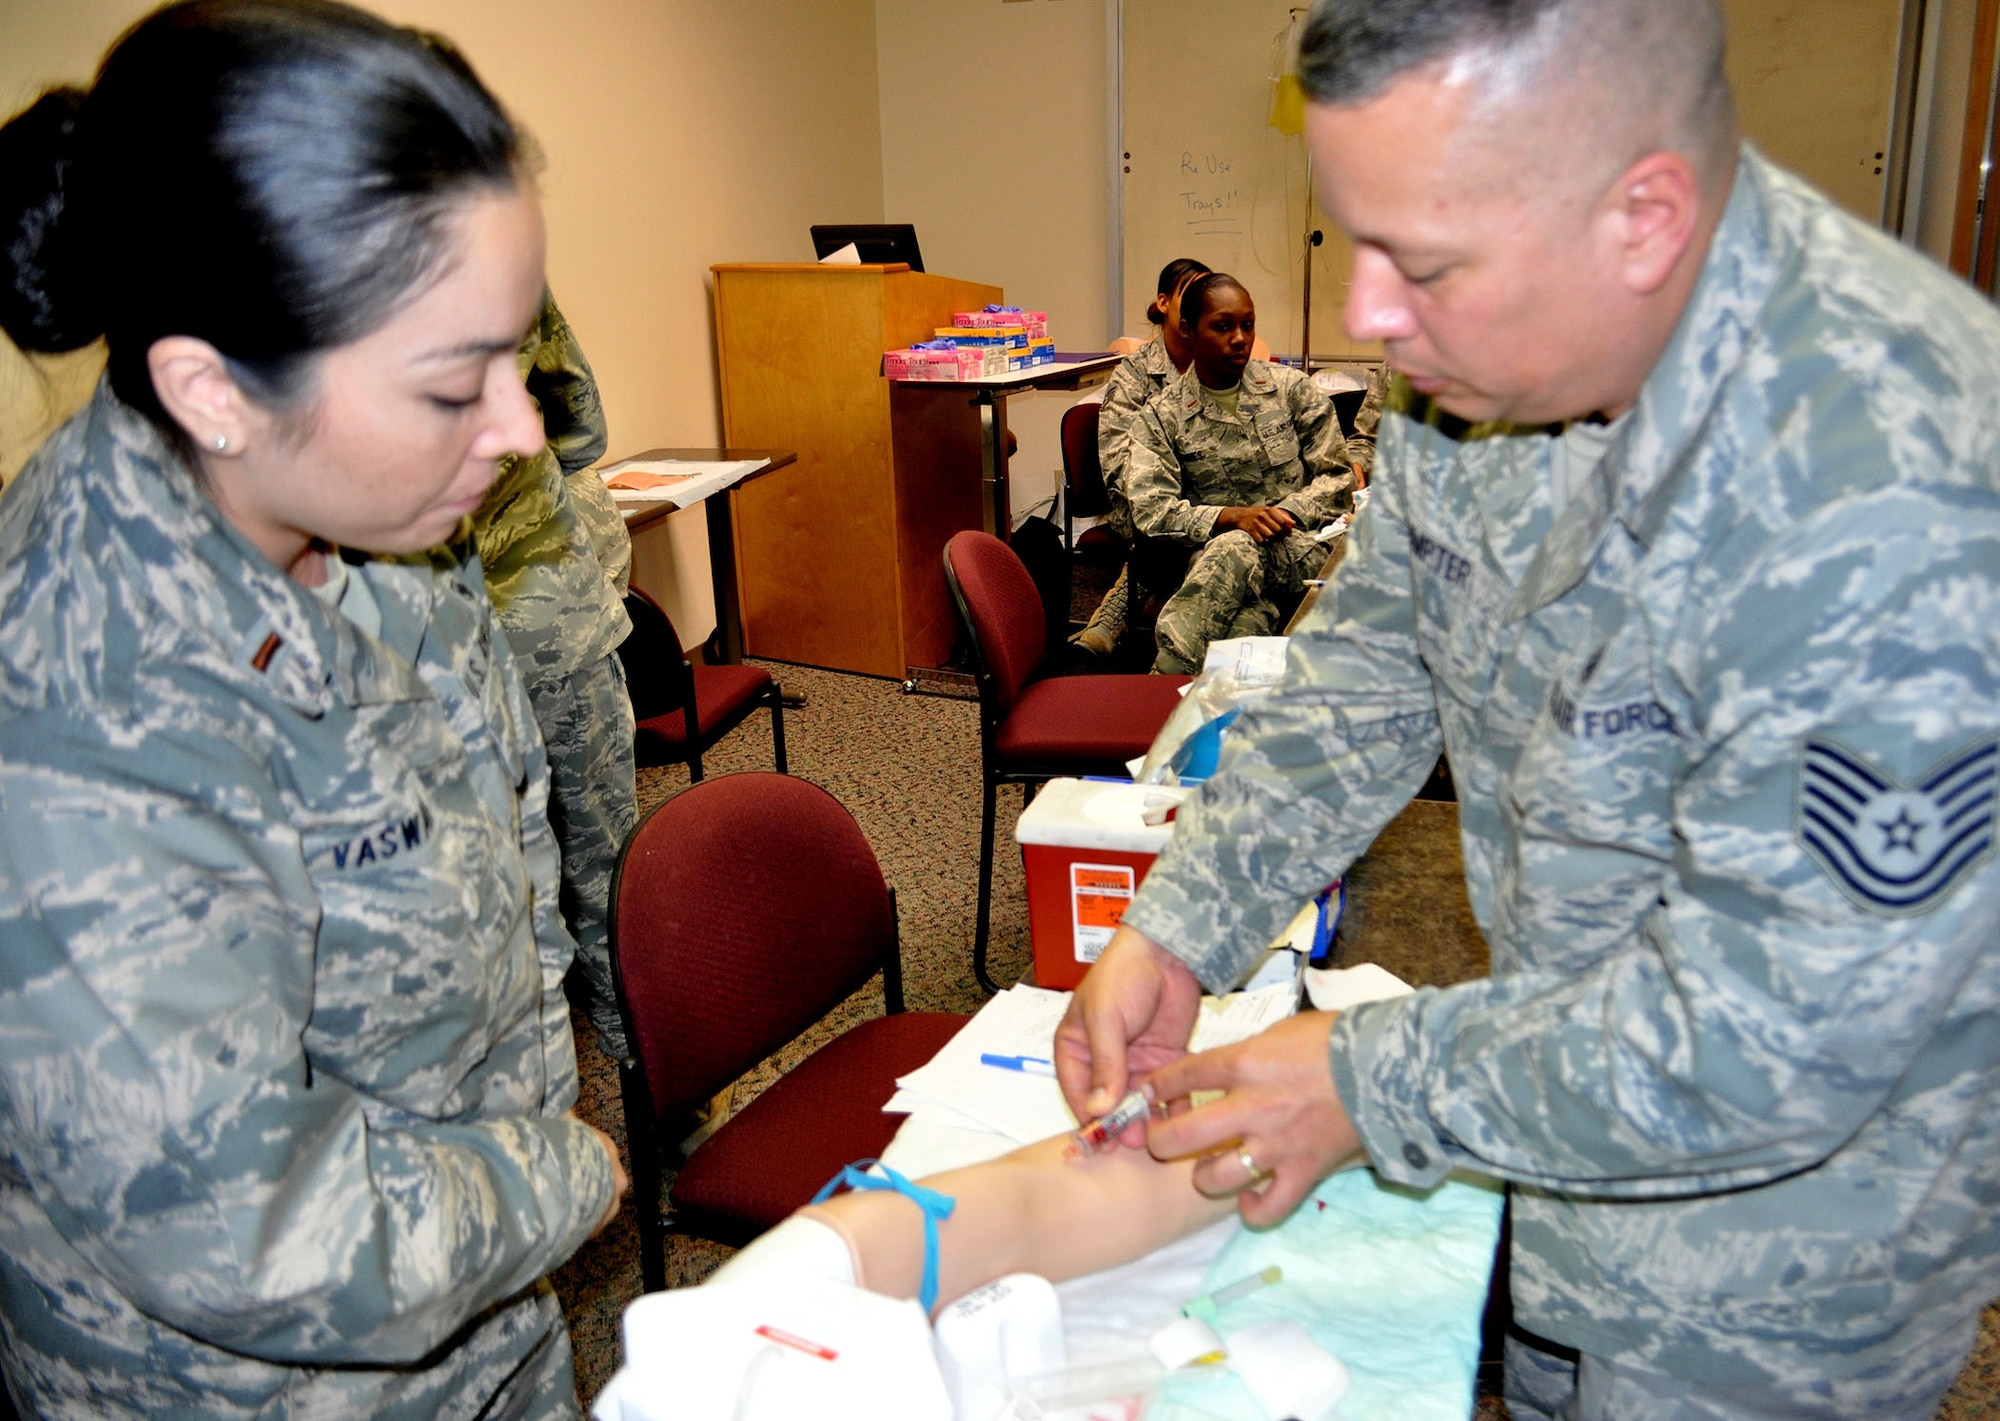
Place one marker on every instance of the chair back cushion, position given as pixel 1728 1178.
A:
pixel 1082 472
pixel 1001 609
pixel 1346 408
pixel 652 656
pixel 744 909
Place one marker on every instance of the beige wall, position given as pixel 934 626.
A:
pixel 1010 192
pixel 677 133
pixel 1815 83
pixel 684 132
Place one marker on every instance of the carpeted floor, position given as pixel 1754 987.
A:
pixel 908 769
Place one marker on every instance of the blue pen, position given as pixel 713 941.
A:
pixel 1026 1065
pixel 1330 905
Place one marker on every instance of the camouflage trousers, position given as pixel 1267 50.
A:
pixel 1234 587
pixel 1118 514
pixel 1542 1386
pixel 586 721
pixel 99 1359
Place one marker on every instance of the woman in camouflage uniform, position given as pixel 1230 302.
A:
pixel 1241 461
pixel 286 1079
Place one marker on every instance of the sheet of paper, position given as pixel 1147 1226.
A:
pixel 1338 988
pixel 958 1091
pixel 1248 660
pixel 681 482
pixel 1241 1015
pixel 1031 374
pixel 1279 965
pixel 955 1085
pixel 1299 934
pixel 639 480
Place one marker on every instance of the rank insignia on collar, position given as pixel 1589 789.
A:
pixel 1896 849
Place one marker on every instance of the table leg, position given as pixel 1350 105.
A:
pixel 722 574
pixel 727 639
pixel 999 508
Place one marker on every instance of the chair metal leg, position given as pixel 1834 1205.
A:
pixel 642 1140
pixel 892 968
pixel 693 727
pixel 778 726
pixel 983 922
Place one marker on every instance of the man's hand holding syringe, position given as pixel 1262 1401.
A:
pixel 1270 1124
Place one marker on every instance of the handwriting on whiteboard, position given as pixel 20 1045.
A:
pixel 1211 203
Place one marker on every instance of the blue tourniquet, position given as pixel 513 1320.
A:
pixel 935 1206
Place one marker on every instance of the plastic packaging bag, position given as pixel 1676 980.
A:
pixel 1235 673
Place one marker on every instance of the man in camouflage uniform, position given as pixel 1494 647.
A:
pixel 1271 441
pixel 285 1063
pixel 1720 690
pixel 539 534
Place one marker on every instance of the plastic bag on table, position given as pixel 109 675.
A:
pixel 1234 674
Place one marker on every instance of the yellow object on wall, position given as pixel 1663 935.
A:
pixel 1288 105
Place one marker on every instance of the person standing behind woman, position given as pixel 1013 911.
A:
pixel 565 618
pixel 1143 373
pixel 1240 460
pixel 286 1072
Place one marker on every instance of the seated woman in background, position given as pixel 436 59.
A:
pixel 1239 461
pixel 1149 367
pixel 287 1074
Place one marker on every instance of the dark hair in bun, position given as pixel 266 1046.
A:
pixel 270 176
pixel 45 305
pixel 1175 272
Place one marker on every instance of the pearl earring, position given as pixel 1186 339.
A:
pixel 221 443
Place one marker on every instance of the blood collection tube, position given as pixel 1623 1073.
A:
pixel 1103 1132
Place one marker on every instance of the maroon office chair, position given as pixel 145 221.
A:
pixel 744 909
pixel 1084 493
pixel 1031 731
pixel 681 710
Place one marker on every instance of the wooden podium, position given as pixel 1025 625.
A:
pixel 840 557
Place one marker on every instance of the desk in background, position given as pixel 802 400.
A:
pixel 718 504
pixel 840 562
pixel 1071 371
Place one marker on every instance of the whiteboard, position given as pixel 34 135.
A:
pixel 1815 83
pixel 1203 174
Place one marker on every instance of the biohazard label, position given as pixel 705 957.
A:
pixel 1099 894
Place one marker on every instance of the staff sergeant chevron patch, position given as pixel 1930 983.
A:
pixel 1896 849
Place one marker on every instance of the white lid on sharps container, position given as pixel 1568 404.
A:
pixel 1100 814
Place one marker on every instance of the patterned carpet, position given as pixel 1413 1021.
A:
pixel 907 767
